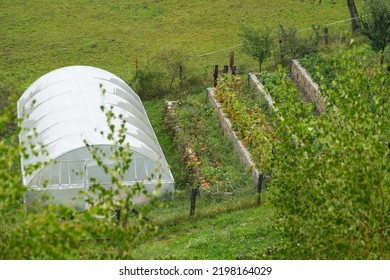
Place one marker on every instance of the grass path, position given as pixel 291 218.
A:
pixel 239 234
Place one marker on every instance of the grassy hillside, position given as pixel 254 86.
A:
pixel 39 36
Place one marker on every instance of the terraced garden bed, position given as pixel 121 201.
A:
pixel 248 121
pixel 210 164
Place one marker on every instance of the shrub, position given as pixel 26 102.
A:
pixel 292 46
pixel 166 74
pixel 376 24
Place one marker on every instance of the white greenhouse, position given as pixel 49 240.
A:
pixel 61 111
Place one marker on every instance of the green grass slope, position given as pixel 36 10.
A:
pixel 39 36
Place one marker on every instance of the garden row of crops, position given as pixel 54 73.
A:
pixel 248 120
pixel 208 157
pixel 288 100
pixel 203 166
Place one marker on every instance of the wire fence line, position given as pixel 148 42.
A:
pixel 221 50
pixel 332 23
pixel 231 48
pixel 300 30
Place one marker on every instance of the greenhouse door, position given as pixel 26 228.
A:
pixel 95 174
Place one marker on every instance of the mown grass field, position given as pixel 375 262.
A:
pixel 39 36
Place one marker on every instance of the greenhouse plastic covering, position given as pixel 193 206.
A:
pixel 62 111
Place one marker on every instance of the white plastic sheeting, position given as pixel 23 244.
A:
pixel 61 110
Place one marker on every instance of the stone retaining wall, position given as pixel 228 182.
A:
pixel 252 79
pixel 306 85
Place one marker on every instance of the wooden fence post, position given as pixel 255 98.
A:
pixel 215 75
pixel 281 50
pixel 232 62
pixel 259 188
pixel 136 213
pixel 226 69
pixel 232 59
pixel 234 70
pixel 326 35
pixel 194 193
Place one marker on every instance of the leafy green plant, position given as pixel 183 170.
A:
pixel 332 195
pixel 288 99
pixel 150 82
pixel 327 70
pixel 318 65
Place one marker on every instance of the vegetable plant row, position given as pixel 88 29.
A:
pixel 288 99
pixel 251 119
pixel 248 121
pixel 190 123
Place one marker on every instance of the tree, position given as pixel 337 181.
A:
pixel 173 60
pixel 376 24
pixel 331 182
pixel 353 13
pixel 257 43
